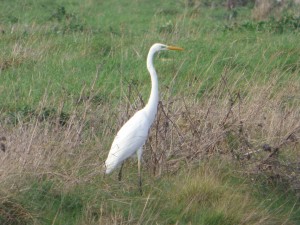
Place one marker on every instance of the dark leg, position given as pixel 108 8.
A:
pixel 120 172
pixel 140 177
pixel 139 156
pixel 104 169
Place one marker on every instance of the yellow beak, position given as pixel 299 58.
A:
pixel 175 48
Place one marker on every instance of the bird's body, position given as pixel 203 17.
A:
pixel 133 134
pixel 131 137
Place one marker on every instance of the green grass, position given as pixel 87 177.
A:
pixel 61 49
pixel 72 71
pixel 208 194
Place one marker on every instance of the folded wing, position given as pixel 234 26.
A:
pixel 129 139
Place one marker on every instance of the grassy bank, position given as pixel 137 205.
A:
pixel 223 150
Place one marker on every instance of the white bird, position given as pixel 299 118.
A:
pixel 133 134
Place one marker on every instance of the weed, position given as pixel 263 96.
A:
pixel 287 23
pixel 11 212
pixel 26 114
pixel 68 22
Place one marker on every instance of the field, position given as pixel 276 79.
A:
pixel 224 148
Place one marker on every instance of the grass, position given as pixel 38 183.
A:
pixel 54 51
pixel 205 195
pixel 223 150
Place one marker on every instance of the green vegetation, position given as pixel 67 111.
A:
pixel 224 148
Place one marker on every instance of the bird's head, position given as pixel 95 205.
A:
pixel 156 48
pixel 160 47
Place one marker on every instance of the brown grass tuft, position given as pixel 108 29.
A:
pixel 264 8
pixel 13 213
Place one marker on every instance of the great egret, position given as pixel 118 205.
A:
pixel 133 134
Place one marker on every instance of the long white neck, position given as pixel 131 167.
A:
pixel 152 104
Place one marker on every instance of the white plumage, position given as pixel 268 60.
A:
pixel 128 140
pixel 133 135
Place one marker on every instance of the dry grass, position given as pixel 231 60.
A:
pixel 262 9
pixel 266 8
pixel 205 191
pixel 233 122
pixel 255 127
pixel 19 51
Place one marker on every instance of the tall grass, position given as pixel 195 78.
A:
pixel 224 146
pixel 54 170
